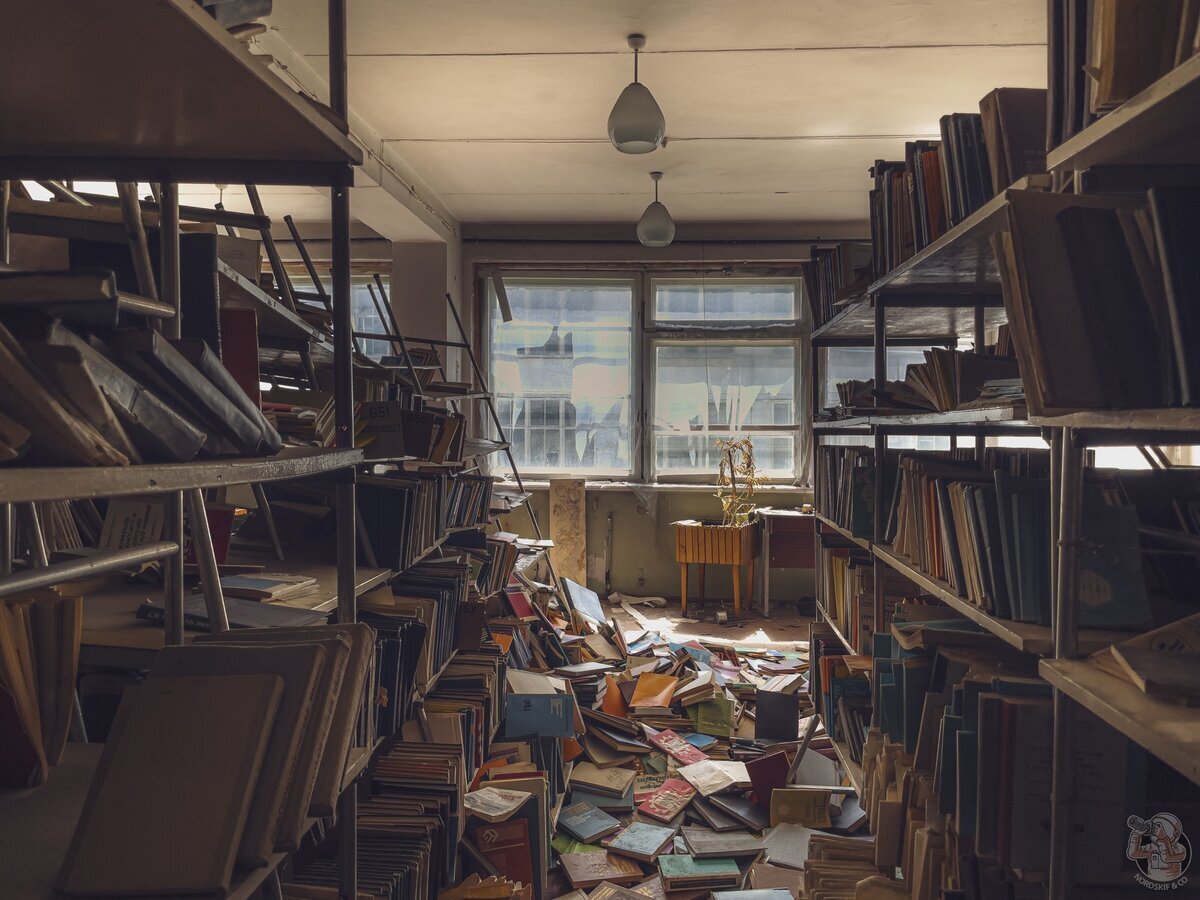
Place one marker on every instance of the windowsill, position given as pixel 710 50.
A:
pixel 542 484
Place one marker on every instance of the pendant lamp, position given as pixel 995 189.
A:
pixel 656 228
pixel 636 124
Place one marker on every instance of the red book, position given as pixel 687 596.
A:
pixel 506 846
pixel 669 800
pixel 669 742
pixel 767 773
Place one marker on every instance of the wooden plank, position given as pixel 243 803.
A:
pixel 568 528
pixel 28 484
pixel 1169 731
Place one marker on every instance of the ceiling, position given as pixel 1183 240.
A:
pixel 774 108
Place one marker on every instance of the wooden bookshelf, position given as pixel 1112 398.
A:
pixel 237 112
pixel 1158 127
pixel 1026 637
pixel 1168 730
pixel 844 532
pixel 29 484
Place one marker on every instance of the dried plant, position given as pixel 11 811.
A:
pixel 737 481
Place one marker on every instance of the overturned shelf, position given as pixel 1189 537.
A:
pixel 926 324
pixel 168 124
pixel 1168 730
pixel 29 484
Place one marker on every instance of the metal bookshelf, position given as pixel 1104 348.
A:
pixel 205 110
pixel 1126 150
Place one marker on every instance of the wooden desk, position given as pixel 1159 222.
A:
pixel 792 533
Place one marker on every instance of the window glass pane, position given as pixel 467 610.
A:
pixel 725 300
pixel 362 310
pixel 703 392
pixel 563 363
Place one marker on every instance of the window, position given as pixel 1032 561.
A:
pixel 705 391
pixel 726 300
pixel 576 393
pixel 562 374
pixel 363 312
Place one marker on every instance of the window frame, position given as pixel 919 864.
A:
pixel 647 333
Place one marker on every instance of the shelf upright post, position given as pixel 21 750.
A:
pixel 7 534
pixel 877 565
pixel 5 199
pixel 1069 500
pixel 173 571
pixel 168 250
pixel 343 392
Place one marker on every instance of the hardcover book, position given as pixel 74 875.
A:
pixel 586 870
pixel 586 823
pixel 681 871
pixel 669 800
pixel 640 840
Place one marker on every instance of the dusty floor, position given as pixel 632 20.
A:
pixel 785 627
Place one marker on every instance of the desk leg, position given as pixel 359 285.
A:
pixel 750 583
pixel 766 575
pixel 683 589
pixel 703 572
pixel 736 570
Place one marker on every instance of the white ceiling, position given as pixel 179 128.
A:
pixel 774 108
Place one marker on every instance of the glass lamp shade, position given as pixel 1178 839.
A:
pixel 656 228
pixel 636 124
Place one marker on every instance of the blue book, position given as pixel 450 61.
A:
pixel 700 741
pixel 545 715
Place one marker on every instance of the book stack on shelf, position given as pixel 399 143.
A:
pixel 1115 272
pixel 948 380
pixel 939 184
pixel 1103 54
pixel 834 274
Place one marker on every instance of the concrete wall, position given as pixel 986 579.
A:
pixel 422 274
pixel 643 541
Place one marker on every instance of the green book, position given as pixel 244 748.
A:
pixel 715 717
pixel 683 872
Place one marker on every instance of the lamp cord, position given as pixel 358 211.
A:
pixel 635 66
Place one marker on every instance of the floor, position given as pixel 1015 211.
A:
pixel 785 628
